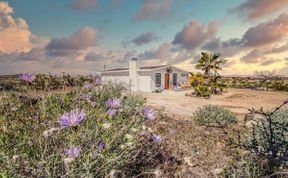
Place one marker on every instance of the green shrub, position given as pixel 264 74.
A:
pixel 216 116
pixel 268 138
pixel 243 166
pixel 202 91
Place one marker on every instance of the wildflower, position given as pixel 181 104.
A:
pixel 88 85
pixel 106 125
pixel 113 103
pixel 101 145
pixel 27 77
pixel 73 152
pixel 157 138
pixel 13 108
pixel 98 81
pixel 143 132
pixel 128 136
pixel 72 118
pixel 112 112
pixel 149 113
pixel 93 104
pixel 85 96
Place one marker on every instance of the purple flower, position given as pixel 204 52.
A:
pixel 93 104
pixel 36 117
pixel 88 85
pixel 98 81
pixel 101 145
pixel 112 112
pixel 113 103
pixel 85 96
pixel 143 132
pixel 72 118
pixel 149 113
pixel 73 152
pixel 157 138
pixel 27 77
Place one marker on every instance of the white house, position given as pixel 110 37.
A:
pixel 146 78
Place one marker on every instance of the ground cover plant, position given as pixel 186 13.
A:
pixel 92 131
pixel 214 116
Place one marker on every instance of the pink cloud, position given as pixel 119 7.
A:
pixel 267 33
pixel 255 9
pixel 14 33
pixel 195 34
pixel 82 39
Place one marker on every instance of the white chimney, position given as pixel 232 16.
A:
pixel 133 74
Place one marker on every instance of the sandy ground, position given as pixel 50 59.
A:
pixel 237 100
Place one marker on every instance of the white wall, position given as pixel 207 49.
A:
pixel 117 79
pixel 144 83
pixel 146 79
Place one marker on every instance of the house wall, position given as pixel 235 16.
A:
pixel 163 71
pixel 146 79
pixel 145 83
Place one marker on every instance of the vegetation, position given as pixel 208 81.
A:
pixel 76 134
pixel 267 139
pixel 210 62
pixel 215 116
pixel 210 82
pixel 272 83
pixel 83 128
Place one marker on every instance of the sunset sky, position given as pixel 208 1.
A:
pixel 81 36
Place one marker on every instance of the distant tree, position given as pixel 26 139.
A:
pixel 265 76
pixel 209 62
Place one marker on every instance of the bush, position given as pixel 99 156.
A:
pixel 243 166
pixel 35 140
pixel 202 91
pixel 266 140
pixel 216 116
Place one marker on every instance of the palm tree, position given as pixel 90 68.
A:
pixel 209 62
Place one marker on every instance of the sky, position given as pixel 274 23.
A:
pixel 81 36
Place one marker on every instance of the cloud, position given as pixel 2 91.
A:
pixel 255 9
pixel 82 39
pixel 142 39
pixel 14 33
pixel 153 10
pixel 266 33
pixel 254 56
pixel 269 61
pixel 259 40
pixel 226 48
pixel 195 34
pixel 279 49
pixel 165 54
pixel 83 5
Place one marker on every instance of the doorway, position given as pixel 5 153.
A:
pixel 167 79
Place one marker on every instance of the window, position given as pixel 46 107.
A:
pixel 158 79
pixel 175 79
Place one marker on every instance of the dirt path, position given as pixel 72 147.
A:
pixel 237 100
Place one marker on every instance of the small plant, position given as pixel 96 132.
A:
pixel 268 138
pixel 202 91
pixel 214 116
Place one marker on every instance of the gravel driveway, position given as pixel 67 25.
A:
pixel 237 100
